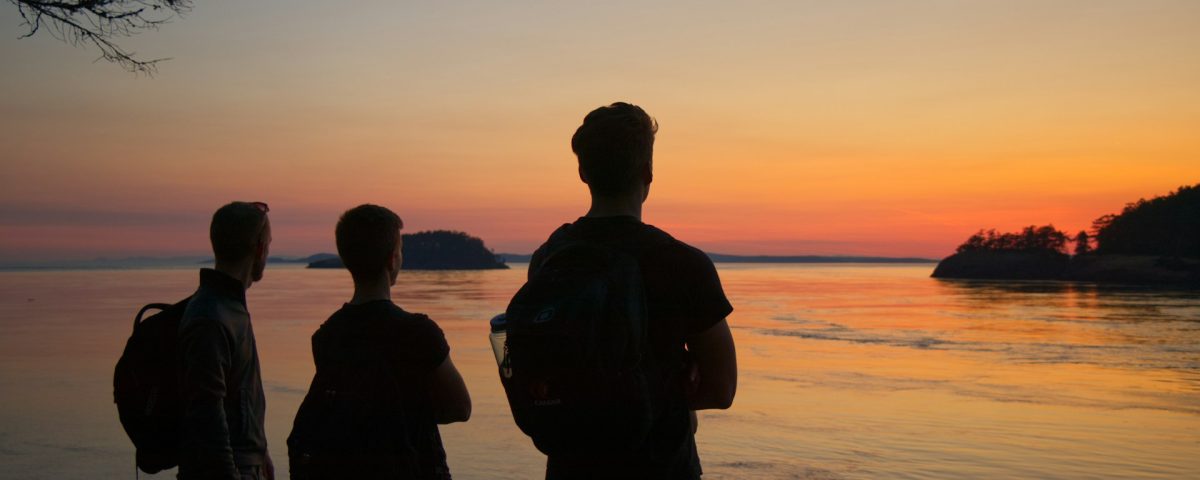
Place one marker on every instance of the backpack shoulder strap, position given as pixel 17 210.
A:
pixel 137 319
pixel 152 306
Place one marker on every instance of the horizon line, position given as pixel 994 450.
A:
pixel 197 259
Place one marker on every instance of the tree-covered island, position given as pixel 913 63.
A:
pixel 436 250
pixel 1150 241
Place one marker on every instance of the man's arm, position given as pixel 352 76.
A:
pixel 451 401
pixel 206 356
pixel 716 367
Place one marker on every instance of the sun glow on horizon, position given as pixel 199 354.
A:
pixel 860 128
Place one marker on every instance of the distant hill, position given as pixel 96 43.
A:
pixel 105 263
pixel 724 258
pixel 316 257
pixel 435 250
pixel 515 257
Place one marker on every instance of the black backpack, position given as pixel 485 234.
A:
pixel 579 375
pixel 146 387
pixel 351 423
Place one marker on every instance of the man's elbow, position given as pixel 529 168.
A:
pixel 455 414
pixel 714 397
pixel 463 413
pixel 723 398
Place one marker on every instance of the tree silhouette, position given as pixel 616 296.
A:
pixel 1082 243
pixel 100 22
pixel 446 250
pixel 1030 239
pixel 1168 225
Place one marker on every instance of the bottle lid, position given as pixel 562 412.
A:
pixel 499 323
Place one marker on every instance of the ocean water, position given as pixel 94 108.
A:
pixel 846 371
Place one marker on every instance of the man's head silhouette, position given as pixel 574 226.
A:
pixel 241 235
pixel 615 147
pixel 369 242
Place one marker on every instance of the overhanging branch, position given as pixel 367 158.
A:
pixel 99 22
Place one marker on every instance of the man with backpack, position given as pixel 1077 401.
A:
pixel 223 405
pixel 384 378
pixel 620 334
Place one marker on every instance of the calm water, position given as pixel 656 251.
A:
pixel 847 371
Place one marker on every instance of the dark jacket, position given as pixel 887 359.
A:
pixel 220 382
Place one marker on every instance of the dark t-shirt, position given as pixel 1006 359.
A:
pixel 684 297
pixel 414 346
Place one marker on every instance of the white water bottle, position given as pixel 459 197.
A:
pixel 498 336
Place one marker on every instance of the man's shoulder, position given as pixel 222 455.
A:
pixel 558 235
pixel 382 317
pixel 670 249
pixel 624 232
pixel 384 325
pixel 644 240
pixel 204 307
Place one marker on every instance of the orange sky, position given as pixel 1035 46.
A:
pixel 881 128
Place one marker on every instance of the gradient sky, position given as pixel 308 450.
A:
pixel 853 127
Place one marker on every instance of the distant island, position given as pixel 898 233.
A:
pixel 316 257
pixel 723 258
pixel 1154 241
pixel 420 261
pixel 433 250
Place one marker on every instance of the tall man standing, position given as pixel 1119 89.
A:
pixel 224 406
pixel 686 306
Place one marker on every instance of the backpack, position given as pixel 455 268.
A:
pixel 146 387
pixel 351 423
pixel 579 373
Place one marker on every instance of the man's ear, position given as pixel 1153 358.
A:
pixel 582 176
pixel 648 173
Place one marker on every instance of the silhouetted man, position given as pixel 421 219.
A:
pixel 688 336
pixel 220 381
pixel 384 378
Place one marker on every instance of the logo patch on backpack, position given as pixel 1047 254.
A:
pixel 544 316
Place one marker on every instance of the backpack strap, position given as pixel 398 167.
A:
pixel 137 319
pixel 153 306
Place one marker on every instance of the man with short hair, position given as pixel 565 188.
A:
pixel 222 436
pixel 686 307
pixel 384 379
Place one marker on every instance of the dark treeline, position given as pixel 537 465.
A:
pixel 1031 239
pixel 1166 226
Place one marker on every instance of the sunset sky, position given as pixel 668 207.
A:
pixel 892 128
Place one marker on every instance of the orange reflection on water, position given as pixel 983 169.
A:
pixel 847 371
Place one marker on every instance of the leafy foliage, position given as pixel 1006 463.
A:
pixel 1031 239
pixel 1165 226
pixel 1168 225
pixel 1083 243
